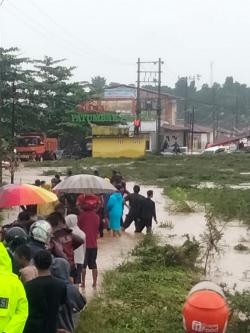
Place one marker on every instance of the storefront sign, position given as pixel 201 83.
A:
pixel 120 92
pixel 106 117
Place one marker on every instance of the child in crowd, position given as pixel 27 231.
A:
pixel 63 242
pixel 79 253
pixel 27 271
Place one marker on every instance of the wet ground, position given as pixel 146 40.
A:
pixel 231 267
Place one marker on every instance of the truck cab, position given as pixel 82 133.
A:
pixel 36 146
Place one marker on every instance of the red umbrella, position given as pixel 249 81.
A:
pixel 24 194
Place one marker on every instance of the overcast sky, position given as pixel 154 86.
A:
pixel 105 37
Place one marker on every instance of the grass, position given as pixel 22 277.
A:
pixel 147 294
pixel 240 309
pixel 138 296
pixel 180 177
pixel 174 170
pixel 166 225
pixel 224 203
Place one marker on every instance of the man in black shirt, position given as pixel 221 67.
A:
pixel 135 207
pixel 45 295
pixel 148 213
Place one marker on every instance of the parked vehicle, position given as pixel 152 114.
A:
pixel 215 150
pixel 36 146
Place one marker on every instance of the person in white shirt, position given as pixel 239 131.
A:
pixel 79 253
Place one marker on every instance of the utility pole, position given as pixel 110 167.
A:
pixel 154 76
pixel 13 120
pixel 158 122
pixel 236 124
pixel 138 95
pixel 186 102
pixel 211 74
pixel 214 114
pixel 13 116
pixel 192 130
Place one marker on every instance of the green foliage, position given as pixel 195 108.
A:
pixel 97 86
pixel 230 101
pixel 138 298
pixel 224 203
pixel 43 96
pixel 15 82
pixel 240 307
pixel 167 225
pixel 180 204
pixel 151 254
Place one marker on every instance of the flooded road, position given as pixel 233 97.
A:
pixel 231 267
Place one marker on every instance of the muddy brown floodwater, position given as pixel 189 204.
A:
pixel 231 267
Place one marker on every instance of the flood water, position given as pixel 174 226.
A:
pixel 231 267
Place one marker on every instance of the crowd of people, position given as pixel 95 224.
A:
pixel 44 254
pixel 50 246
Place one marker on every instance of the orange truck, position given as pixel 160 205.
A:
pixel 36 146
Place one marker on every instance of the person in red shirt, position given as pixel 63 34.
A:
pixel 137 125
pixel 89 222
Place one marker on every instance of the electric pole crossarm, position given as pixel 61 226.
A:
pixel 156 80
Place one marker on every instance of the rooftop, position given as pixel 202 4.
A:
pixel 181 127
pixel 142 89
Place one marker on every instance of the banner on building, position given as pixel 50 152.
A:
pixel 106 117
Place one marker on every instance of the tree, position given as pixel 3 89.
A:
pixel 13 91
pixel 57 98
pixel 98 84
pixel 42 97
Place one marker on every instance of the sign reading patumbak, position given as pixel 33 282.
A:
pixel 109 117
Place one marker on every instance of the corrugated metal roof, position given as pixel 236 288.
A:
pixel 143 89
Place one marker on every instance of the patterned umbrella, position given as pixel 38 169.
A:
pixel 24 194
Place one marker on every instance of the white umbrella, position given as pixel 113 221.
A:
pixel 87 184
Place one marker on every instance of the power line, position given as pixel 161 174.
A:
pixel 72 38
pixel 1 3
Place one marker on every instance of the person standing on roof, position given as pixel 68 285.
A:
pixel 13 301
